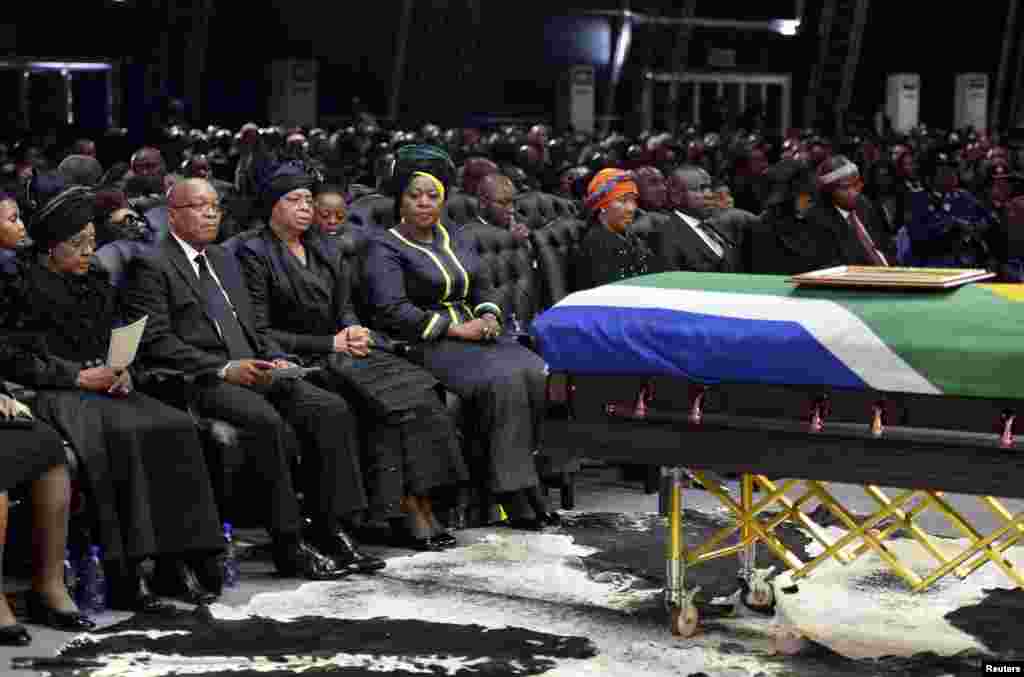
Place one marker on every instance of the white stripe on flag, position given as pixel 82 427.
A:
pixel 841 332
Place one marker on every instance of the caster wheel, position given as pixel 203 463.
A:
pixel 684 620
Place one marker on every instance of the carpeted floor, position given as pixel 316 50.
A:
pixel 583 600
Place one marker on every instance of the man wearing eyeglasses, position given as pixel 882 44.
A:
pixel 200 323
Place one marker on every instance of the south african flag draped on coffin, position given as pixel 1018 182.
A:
pixel 712 328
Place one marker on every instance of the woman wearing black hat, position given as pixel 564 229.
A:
pixel 302 298
pixel 142 460
pixel 425 285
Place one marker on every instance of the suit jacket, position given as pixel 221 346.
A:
pixel 683 249
pixel 301 318
pixel 180 333
pixel 835 241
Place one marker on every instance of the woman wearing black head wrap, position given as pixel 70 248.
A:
pixel 141 459
pixel 302 298
pixel 427 286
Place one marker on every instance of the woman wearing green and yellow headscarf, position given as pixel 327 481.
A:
pixel 425 285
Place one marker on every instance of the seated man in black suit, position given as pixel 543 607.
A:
pixel 691 241
pixel 497 195
pixel 843 222
pixel 200 323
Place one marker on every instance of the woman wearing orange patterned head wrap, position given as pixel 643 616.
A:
pixel 611 251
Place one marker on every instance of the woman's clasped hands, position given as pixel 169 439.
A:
pixel 354 340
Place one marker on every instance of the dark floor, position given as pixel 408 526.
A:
pixel 599 489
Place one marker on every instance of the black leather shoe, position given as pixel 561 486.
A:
pixel 300 559
pixel 176 578
pixel 342 547
pixel 130 592
pixel 210 572
pixel 41 613
pixel 458 518
pixel 14 635
pixel 444 540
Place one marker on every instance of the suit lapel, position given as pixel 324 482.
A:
pixel 695 243
pixel 180 262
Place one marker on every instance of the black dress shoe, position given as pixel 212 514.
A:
pixel 210 572
pixel 130 592
pixel 444 540
pixel 343 549
pixel 41 613
pixel 300 559
pixel 176 578
pixel 14 635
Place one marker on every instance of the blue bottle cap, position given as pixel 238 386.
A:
pixel 227 526
pixel 94 550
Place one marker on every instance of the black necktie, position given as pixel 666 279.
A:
pixel 231 331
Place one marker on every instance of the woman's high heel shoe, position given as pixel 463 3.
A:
pixel 14 635
pixel 41 613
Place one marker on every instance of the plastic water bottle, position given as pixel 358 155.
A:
pixel 231 571
pixel 70 576
pixel 92 583
pixel 513 321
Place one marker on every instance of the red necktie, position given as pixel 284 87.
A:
pixel 877 258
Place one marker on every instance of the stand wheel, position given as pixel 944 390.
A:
pixel 684 620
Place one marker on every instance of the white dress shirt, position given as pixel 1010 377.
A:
pixel 708 240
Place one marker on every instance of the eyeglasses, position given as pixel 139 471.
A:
pixel 200 206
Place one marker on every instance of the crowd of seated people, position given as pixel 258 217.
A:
pixel 336 370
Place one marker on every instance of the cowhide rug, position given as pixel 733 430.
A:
pixel 583 600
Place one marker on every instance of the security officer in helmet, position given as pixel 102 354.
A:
pixel 948 225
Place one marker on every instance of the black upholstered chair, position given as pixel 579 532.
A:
pixel 378 211
pixel 461 208
pixel 537 209
pixel 372 211
pixel 509 265
pixel 555 246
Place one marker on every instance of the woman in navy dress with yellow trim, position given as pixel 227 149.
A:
pixel 425 286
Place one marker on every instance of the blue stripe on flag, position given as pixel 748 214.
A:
pixel 703 348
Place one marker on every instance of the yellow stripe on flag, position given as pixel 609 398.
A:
pixel 1011 292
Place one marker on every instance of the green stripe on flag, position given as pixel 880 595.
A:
pixel 967 342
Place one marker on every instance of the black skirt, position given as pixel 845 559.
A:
pixel 144 470
pixel 502 385
pixel 27 453
pixel 409 442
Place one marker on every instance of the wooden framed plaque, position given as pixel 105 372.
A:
pixel 879 277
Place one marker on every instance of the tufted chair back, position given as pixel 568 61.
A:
pixel 115 258
pixel 373 211
pixel 508 263
pixel 536 209
pixel 461 208
pixel 555 246
pixel 378 211
pixel 352 241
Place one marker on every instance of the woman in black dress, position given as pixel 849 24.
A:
pixel 301 297
pixel 33 452
pixel 611 251
pixel 425 285
pixel 142 460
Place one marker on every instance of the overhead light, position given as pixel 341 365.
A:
pixel 787 27
pixel 68 65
